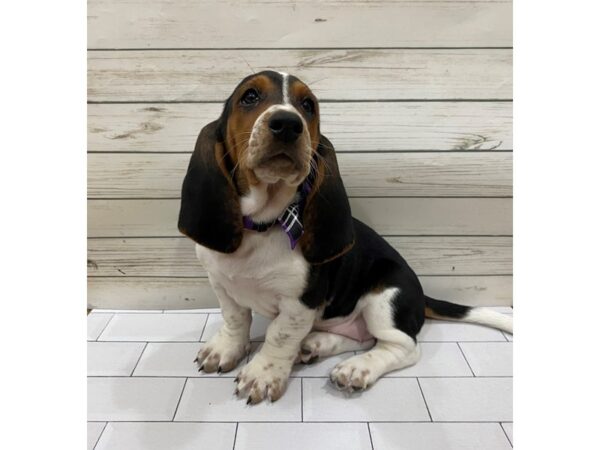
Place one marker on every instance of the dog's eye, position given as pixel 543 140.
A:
pixel 308 105
pixel 250 97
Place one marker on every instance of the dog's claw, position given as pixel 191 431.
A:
pixel 219 369
pixel 201 368
pixel 311 360
pixel 196 360
pixel 249 401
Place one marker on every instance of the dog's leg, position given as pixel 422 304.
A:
pixel 321 344
pixel 266 375
pixel 394 348
pixel 225 349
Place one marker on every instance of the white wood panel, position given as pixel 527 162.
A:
pixel 348 74
pixel 180 293
pixel 197 69
pixel 214 24
pixel 365 174
pixel 473 291
pixel 175 257
pixel 150 293
pixel 352 127
pixel 392 216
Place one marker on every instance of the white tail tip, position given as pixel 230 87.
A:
pixel 489 317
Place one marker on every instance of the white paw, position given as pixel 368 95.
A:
pixel 320 344
pixel 354 374
pixel 222 353
pixel 316 345
pixel 262 378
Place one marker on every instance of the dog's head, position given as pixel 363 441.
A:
pixel 268 134
pixel 270 126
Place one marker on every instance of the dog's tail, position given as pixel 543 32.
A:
pixel 440 309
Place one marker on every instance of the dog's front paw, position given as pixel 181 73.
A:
pixel 222 353
pixel 263 378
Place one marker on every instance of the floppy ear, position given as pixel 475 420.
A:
pixel 210 211
pixel 327 219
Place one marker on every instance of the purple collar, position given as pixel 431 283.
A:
pixel 291 217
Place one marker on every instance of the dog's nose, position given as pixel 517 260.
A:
pixel 285 126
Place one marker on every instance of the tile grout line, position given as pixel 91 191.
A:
pixel 138 360
pixel 105 326
pixel 505 434
pixel 298 422
pixel 301 399
pixel 467 361
pixel 237 424
pixel 179 401
pixel 424 400
pixel 370 437
pixel 100 435
pixel 204 327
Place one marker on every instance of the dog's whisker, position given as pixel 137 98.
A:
pixel 234 168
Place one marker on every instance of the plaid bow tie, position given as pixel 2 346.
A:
pixel 291 217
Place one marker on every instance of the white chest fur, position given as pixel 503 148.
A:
pixel 263 271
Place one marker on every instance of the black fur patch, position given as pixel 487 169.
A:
pixel 372 264
pixel 447 309
pixel 327 218
pixel 210 213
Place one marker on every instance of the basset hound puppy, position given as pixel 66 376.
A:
pixel 264 201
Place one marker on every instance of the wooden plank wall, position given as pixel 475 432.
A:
pixel 415 96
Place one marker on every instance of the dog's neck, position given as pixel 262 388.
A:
pixel 265 202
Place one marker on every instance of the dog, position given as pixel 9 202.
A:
pixel 265 204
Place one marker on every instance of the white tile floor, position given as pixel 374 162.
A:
pixel 144 392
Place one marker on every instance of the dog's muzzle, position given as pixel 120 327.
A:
pixel 286 126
